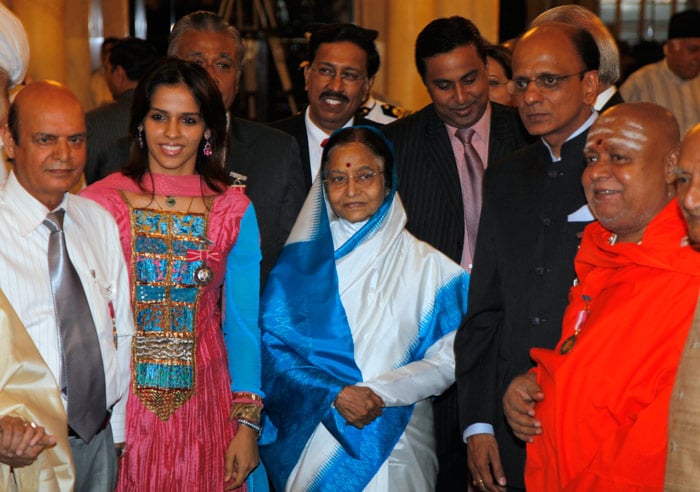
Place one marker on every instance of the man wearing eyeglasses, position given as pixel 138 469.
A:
pixel 342 63
pixel 609 70
pixel 533 214
pixel 440 176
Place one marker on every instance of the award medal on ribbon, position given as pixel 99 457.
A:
pixel 203 274
pixel 568 344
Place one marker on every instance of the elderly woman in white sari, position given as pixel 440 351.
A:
pixel 358 320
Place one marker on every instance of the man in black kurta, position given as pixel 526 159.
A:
pixel 534 211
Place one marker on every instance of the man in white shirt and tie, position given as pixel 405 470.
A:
pixel 49 236
pixel 342 63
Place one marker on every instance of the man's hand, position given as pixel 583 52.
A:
pixel 519 406
pixel 241 457
pixel 22 441
pixel 485 463
pixel 359 405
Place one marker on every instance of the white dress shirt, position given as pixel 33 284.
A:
pixel 315 137
pixel 92 239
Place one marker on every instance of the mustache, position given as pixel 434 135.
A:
pixel 336 95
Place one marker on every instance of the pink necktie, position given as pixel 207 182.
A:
pixel 470 178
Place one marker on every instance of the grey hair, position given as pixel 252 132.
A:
pixel 205 22
pixel 582 18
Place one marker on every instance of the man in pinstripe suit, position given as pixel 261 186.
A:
pixel 452 63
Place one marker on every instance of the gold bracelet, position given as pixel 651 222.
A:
pixel 247 397
pixel 249 412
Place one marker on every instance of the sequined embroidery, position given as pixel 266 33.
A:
pixel 164 298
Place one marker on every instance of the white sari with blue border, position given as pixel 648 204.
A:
pixel 378 310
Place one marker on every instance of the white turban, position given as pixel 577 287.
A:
pixel 14 47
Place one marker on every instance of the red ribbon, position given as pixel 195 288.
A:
pixel 202 254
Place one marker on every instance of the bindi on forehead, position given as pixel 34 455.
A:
pixel 347 164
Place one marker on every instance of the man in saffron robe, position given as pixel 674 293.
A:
pixel 595 408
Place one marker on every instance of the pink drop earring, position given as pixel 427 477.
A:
pixel 207 150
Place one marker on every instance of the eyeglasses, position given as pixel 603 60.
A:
pixel 545 82
pixel 342 180
pixel 346 76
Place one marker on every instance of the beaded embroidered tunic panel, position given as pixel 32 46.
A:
pixel 165 297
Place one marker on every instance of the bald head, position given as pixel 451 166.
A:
pixel 688 184
pixel 631 152
pixel 40 94
pixel 46 140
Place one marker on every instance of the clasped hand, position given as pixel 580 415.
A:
pixel 22 441
pixel 519 406
pixel 359 405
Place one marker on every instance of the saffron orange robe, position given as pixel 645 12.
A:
pixel 605 410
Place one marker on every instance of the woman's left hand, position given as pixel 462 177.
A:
pixel 241 457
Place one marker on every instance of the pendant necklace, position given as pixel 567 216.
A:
pixel 170 201
pixel 581 318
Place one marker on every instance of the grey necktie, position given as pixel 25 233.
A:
pixel 471 182
pixel 83 371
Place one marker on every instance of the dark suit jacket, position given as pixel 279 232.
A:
pixel 296 127
pixel 428 179
pixel 523 268
pixel 275 181
pixel 105 126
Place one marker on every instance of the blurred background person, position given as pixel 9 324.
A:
pixel 498 60
pixel 673 82
pixel 99 90
pixel 128 60
pixel 14 59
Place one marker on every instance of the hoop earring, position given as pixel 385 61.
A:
pixel 207 150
